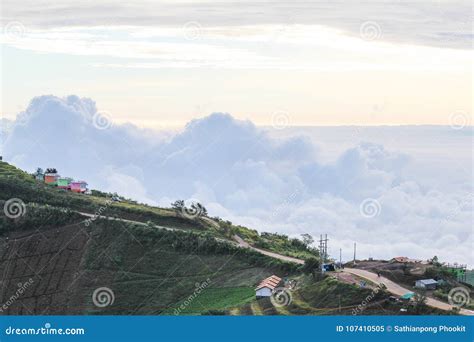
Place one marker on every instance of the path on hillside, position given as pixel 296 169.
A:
pixel 239 241
pixel 245 244
pixel 94 217
pixel 391 286
pixel 398 290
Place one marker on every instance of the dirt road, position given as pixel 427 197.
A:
pixel 244 244
pixel 398 290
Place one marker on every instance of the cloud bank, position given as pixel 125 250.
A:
pixel 380 197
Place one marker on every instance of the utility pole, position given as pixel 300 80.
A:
pixel 354 253
pixel 340 257
pixel 323 250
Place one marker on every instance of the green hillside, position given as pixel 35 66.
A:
pixel 15 183
pixel 149 269
pixel 143 260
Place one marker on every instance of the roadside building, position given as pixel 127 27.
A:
pixel 407 296
pixel 426 284
pixel 267 286
pixel 329 267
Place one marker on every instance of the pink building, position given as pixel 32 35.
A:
pixel 79 186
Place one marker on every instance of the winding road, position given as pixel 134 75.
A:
pixel 398 290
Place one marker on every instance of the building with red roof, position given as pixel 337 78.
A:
pixel 267 286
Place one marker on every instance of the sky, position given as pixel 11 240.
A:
pixel 159 64
pixel 341 117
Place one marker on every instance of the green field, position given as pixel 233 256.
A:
pixel 214 301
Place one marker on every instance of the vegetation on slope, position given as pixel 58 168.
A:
pixel 37 217
pixel 15 183
pixel 155 271
pixel 278 243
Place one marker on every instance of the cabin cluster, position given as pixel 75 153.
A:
pixel 53 178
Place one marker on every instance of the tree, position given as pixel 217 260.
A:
pixel 435 261
pixel 199 209
pixel 311 266
pixel 419 302
pixel 204 211
pixel 178 205
pixel 307 239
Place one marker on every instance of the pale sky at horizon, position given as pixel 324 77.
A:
pixel 162 64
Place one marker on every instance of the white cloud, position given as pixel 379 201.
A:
pixel 296 47
pixel 426 22
pixel 244 174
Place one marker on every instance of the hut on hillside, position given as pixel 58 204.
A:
pixel 267 286
pixel 426 284
pixel 51 177
pixel 64 183
pixel 79 186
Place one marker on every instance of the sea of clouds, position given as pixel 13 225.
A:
pixel 393 190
